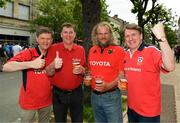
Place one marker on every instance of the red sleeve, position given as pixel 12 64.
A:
pixel 157 58
pixel 121 59
pixel 25 55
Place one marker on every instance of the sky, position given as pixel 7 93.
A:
pixel 123 8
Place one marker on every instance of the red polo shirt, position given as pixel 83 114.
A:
pixel 143 74
pixel 35 92
pixel 107 63
pixel 64 77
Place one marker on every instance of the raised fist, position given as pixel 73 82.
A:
pixel 158 31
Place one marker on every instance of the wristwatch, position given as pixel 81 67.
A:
pixel 162 40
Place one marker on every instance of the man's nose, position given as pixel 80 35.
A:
pixel 103 35
pixel 130 37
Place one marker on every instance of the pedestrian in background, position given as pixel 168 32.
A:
pixel 16 48
pixel 177 53
pixel 9 50
pixel 3 55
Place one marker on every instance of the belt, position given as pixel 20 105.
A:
pixel 67 91
pixel 109 91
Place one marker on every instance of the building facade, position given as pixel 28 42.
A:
pixel 118 26
pixel 15 20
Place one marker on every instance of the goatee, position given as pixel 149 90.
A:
pixel 104 45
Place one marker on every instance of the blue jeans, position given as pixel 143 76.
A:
pixel 107 107
pixel 134 117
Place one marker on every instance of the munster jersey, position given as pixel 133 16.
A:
pixel 143 74
pixel 107 62
pixel 35 92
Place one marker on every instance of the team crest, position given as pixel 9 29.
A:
pixel 139 60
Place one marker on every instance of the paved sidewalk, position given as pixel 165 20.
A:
pixel 9 92
pixel 172 80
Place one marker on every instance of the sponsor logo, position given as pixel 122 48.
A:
pixel 132 69
pixel 100 63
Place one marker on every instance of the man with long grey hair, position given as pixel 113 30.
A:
pixel 105 64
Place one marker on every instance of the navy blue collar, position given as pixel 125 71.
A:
pixel 39 52
pixel 141 47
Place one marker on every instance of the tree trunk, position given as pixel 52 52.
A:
pixel 141 22
pixel 91 16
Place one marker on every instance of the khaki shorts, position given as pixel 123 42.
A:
pixel 30 115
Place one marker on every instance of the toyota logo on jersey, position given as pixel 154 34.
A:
pixel 100 63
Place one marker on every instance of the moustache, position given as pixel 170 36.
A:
pixel 104 45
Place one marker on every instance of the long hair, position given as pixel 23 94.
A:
pixel 95 32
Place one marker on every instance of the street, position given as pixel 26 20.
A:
pixel 9 91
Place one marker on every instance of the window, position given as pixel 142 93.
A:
pixel 24 12
pixel 8 10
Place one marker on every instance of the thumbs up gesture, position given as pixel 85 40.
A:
pixel 38 62
pixel 57 61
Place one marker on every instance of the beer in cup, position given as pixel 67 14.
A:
pixel 75 62
pixel 87 78
pixel 98 80
pixel 123 84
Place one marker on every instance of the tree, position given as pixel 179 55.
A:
pixel 171 35
pixel 147 18
pixel 163 15
pixel 83 13
pixel 91 10
pixel 140 7
pixel 3 3
pixel 53 13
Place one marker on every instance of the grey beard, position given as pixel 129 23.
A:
pixel 103 45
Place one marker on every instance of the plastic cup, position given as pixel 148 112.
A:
pixel 98 80
pixel 75 63
pixel 123 84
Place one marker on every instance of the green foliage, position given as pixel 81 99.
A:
pixel 148 34
pixel 53 13
pixel 147 18
pixel 3 3
pixel 104 11
pixel 171 35
pixel 88 114
pixel 163 15
pixel 120 32
pixel 140 7
pixel 124 103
